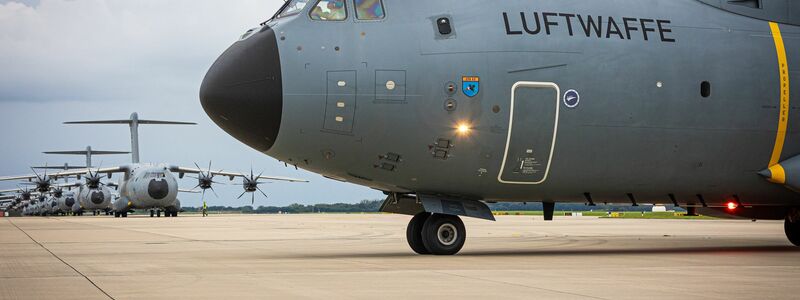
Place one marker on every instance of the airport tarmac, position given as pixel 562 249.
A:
pixel 365 256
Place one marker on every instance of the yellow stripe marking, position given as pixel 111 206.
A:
pixel 778 174
pixel 783 116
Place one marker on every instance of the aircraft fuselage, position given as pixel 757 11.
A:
pixel 623 101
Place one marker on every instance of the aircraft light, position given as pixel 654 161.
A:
pixel 732 205
pixel 463 129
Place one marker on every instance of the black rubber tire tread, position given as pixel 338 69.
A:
pixel 792 230
pixel 414 233
pixel 431 240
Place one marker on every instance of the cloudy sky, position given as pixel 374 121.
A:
pixel 64 60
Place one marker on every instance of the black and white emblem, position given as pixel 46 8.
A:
pixel 572 98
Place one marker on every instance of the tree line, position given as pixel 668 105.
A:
pixel 370 206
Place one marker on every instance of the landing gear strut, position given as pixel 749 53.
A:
pixel 437 234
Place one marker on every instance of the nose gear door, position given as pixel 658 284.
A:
pixel 340 108
pixel 532 132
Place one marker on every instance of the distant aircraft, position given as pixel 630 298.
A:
pixel 147 186
pixel 93 195
pixel 444 106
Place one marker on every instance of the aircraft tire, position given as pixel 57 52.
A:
pixel 152 213
pixel 158 214
pixel 443 234
pixel 792 230
pixel 116 215
pixel 124 214
pixel 414 233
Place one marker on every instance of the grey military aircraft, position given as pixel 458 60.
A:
pixel 93 195
pixel 148 186
pixel 445 106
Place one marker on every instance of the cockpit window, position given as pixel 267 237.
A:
pixel 292 8
pixel 329 10
pixel 154 175
pixel 369 9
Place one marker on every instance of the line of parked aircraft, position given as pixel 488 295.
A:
pixel 151 187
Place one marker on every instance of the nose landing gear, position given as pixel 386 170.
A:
pixel 792 226
pixel 436 234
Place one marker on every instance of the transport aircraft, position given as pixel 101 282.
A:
pixel 92 196
pixel 445 106
pixel 147 186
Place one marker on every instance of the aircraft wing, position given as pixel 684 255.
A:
pixel 10 191
pixel 68 173
pixel 67 185
pixel 188 191
pixel 22 177
pixel 232 175
pixel 3 198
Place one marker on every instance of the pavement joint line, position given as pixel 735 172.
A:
pixel 128 229
pixel 62 261
pixel 520 285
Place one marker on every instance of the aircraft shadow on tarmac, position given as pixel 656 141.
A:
pixel 572 252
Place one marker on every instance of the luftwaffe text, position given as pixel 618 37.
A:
pixel 600 27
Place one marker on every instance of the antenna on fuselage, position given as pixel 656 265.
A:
pixel 134 123
pixel 89 152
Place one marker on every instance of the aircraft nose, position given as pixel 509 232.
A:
pixel 97 197
pixel 158 189
pixel 242 92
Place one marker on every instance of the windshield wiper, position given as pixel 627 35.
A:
pixel 283 7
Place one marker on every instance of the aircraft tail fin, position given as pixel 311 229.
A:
pixel 64 167
pixel 89 152
pixel 134 123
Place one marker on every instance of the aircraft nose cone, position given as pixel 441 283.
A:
pixel 243 90
pixel 158 189
pixel 69 202
pixel 97 197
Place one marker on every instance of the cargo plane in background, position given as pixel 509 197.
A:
pixel 445 106
pixel 146 186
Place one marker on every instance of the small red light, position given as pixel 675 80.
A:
pixel 732 205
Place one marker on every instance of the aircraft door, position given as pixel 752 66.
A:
pixel 532 132
pixel 340 108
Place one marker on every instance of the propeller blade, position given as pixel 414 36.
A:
pixel 204 195
pixel 198 167
pixel 252 199
pixel 209 167
pixel 213 191
pixel 262 192
pixel 37 174
pixel 240 196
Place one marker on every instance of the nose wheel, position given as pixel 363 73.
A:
pixel 436 234
pixel 792 228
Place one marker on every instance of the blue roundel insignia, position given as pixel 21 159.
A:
pixel 572 98
pixel 470 85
